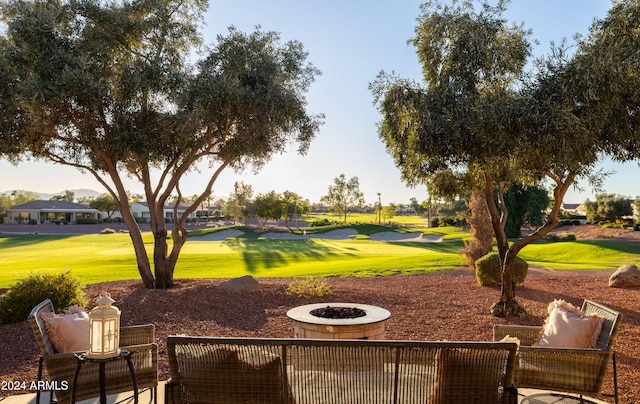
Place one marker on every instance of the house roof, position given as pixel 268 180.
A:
pixel 52 206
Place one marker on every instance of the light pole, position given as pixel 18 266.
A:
pixel 379 207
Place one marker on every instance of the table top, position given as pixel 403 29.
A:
pixel 82 357
pixel 374 314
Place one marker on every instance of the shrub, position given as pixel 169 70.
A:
pixel 636 227
pixel 553 238
pixel 309 287
pixel 480 228
pixel 321 223
pixel 64 290
pixel 82 220
pixel 489 270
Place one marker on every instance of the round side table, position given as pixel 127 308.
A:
pixel 82 359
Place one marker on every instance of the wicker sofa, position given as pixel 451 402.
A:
pixel 573 370
pixel 61 367
pixel 283 371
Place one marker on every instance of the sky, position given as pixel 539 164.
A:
pixel 350 42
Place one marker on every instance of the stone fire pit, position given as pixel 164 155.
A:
pixel 339 321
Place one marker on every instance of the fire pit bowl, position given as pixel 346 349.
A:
pixel 339 321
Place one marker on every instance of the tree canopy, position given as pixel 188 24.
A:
pixel 104 203
pixel 526 205
pixel 343 195
pixel 109 88
pixel 608 208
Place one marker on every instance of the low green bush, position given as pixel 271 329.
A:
pixel 569 222
pixel 86 221
pixel 554 238
pixel 309 287
pixel 64 290
pixel 489 270
pixel 322 222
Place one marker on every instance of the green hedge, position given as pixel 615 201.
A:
pixel 64 290
pixel 86 221
pixel 489 270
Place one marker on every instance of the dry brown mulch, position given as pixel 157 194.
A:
pixel 446 305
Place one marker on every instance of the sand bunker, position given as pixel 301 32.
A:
pixel 342 234
pixel 413 237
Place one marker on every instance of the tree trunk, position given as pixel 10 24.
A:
pixel 163 270
pixel 142 259
pixel 119 194
pixel 507 306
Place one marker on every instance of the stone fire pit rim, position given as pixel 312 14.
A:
pixel 303 314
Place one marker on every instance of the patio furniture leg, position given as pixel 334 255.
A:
pixel 615 378
pixel 39 379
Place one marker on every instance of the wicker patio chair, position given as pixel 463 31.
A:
pixel 61 367
pixel 580 371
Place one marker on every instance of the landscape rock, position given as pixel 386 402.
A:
pixel 627 276
pixel 244 284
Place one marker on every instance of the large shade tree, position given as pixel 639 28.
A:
pixel 477 123
pixel 109 88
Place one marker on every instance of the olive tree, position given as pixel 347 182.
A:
pixel 110 89
pixel 478 123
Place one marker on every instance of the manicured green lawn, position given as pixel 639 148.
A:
pixel 98 258
pixel 104 257
pixel 585 254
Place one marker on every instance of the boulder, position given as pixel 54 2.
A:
pixel 627 276
pixel 244 284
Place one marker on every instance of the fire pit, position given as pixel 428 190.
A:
pixel 339 321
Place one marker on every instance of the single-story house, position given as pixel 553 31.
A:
pixel 50 212
pixel 575 208
pixel 141 210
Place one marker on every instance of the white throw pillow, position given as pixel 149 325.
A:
pixel 568 327
pixel 68 332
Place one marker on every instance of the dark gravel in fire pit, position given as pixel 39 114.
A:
pixel 338 312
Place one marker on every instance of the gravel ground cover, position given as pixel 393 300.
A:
pixel 447 305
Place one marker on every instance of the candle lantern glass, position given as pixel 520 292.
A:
pixel 104 329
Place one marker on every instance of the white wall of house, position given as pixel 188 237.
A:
pixel 141 209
